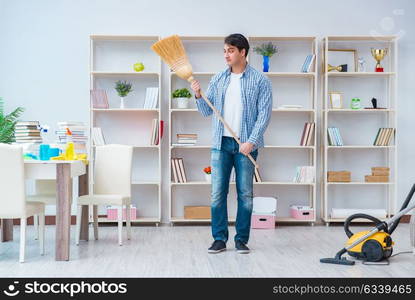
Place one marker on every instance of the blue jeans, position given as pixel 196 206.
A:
pixel 222 162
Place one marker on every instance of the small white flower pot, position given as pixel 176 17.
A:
pixel 182 102
pixel 208 177
pixel 122 103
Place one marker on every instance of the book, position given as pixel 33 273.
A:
pixel 309 140
pixel 304 174
pixel 151 98
pixel 307 135
pixel 97 136
pixel 303 134
pixel 28 123
pixel 161 129
pixel 334 136
pixel 174 171
pixel 384 136
pixel 308 62
pixel 99 98
pixel 181 164
pixel 306 130
pixel 154 132
pixel 179 173
pixel 290 106
pixel 339 137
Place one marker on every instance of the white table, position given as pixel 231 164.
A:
pixel 63 172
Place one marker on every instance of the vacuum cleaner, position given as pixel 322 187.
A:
pixel 373 245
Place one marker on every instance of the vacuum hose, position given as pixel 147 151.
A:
pixel 379 224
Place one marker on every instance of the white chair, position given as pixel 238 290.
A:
pixel 12 195
pixel 112 185
pixel 45 193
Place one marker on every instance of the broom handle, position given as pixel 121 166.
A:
pixel 227 126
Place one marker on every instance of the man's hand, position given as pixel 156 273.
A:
pixel 246 148
pixel 196 88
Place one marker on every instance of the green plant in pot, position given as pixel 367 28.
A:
pixel 182 96
pixel 266 50
pixel 123 88
pixel 8 123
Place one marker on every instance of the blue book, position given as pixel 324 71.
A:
pixel 306 63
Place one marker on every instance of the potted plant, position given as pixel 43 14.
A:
pixel 208 171
pixel 123 88
pixel 182 96
pixel 8 123
pixel 266 50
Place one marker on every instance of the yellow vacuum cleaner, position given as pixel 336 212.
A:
pixel 373 245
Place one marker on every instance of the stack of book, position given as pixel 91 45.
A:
pixel 27 132
pixel 186 139
pixel 151 97
pixel 384 136
pixel 304 174
pixel 379 174
pixel 156 132
pixel 97 136
pixel 79 136
pixel 177 167
pixel 307 136
pixel 308 63
pixel 334 137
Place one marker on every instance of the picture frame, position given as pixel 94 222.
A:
pixel 336 100
pixel 343 57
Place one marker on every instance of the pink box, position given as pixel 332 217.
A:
pixel 263 221
pixel 302 212
pixel 112 214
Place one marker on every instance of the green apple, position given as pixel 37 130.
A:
pixel 138 67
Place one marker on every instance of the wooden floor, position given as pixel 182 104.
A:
pixel 180 251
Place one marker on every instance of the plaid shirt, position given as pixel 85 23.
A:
pixel 256 96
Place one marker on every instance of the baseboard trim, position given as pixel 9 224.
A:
pixel 51 220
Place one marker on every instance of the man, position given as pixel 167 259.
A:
pixel 244 98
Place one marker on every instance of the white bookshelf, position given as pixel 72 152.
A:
pixel 280 156
pixel 111 59
pixel 359 127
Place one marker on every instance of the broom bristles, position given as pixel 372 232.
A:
pixel 172 52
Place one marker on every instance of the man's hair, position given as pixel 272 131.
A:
pixel 239 41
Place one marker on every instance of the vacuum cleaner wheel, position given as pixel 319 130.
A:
pixel 372 250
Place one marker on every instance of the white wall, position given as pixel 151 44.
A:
pixel 44 48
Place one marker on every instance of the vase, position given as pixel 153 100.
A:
pixel 208 177
pixel 122 102
pixel 265 63
pixel 182 102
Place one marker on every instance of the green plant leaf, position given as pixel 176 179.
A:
pixel 181 93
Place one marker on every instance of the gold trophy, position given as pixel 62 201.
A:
pixel 341 68
pixel 378 55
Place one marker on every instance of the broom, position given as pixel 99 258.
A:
pixel 172 52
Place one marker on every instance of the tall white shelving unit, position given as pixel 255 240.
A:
pixel 280 156
pixel 111 59
pixel 359 127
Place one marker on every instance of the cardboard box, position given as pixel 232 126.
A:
pixel 197 212
pixel 338 176
pixel 370 178
pixel 380 173
pixel 380 169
